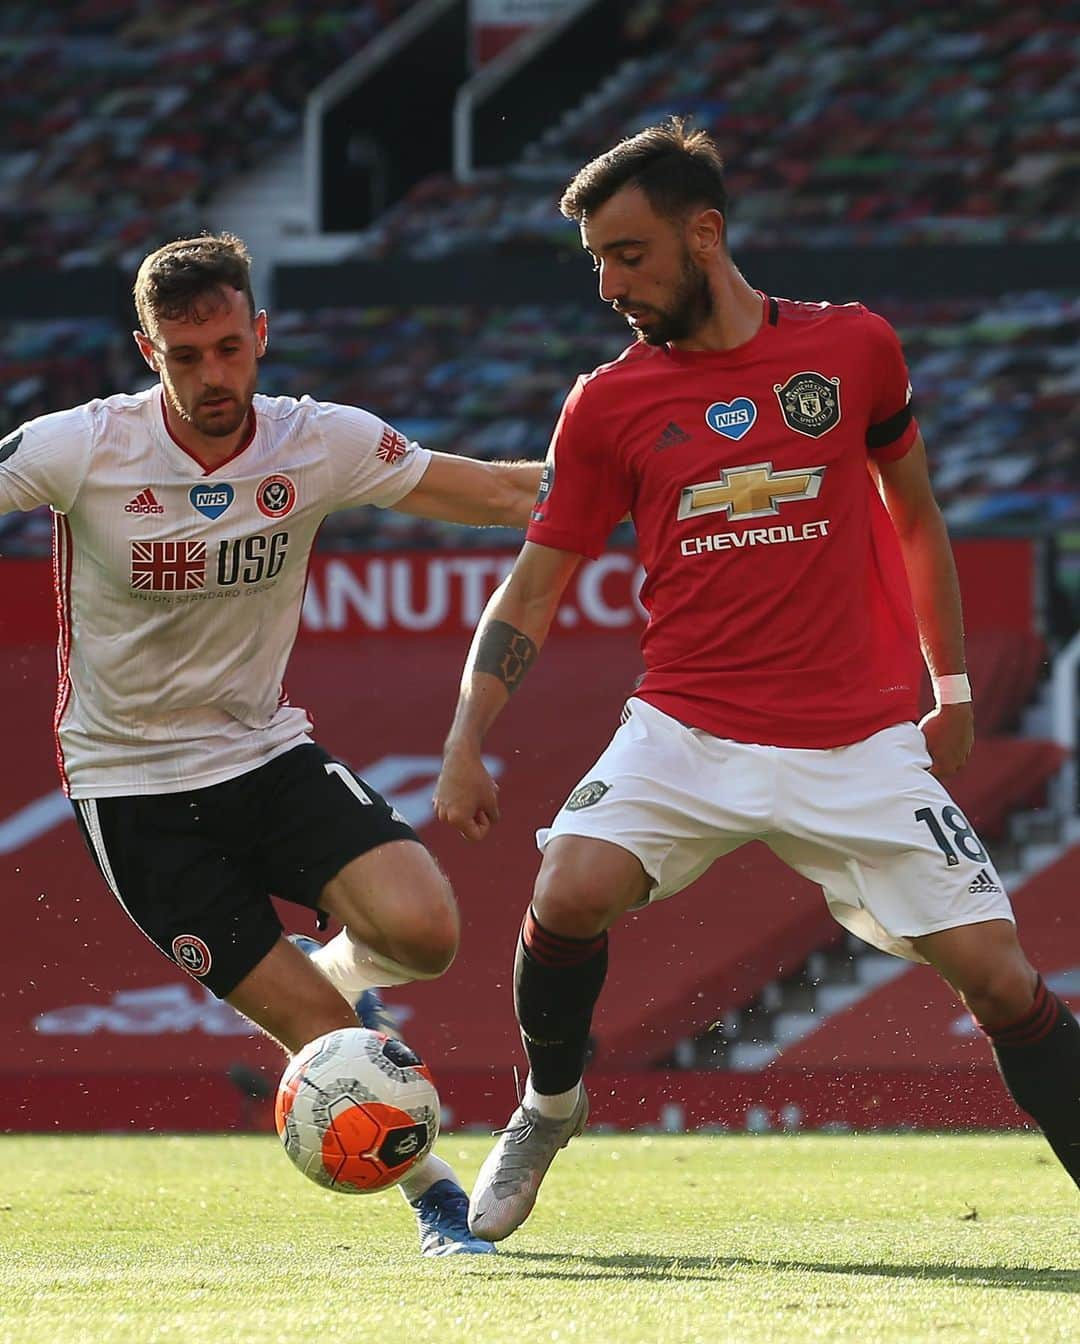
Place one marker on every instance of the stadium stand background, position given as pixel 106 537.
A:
pixel 922 162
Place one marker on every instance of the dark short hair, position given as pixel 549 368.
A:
pixel 676 169
pixel 172 280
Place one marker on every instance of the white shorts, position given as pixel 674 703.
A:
pixel 891 850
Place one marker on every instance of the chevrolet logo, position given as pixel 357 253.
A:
pixel 754 491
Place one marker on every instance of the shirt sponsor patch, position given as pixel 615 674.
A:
pixel 751 491
pixel 212 498
pixel 733 419
pixel 809 403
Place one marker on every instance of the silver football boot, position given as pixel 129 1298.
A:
pixel 508 1182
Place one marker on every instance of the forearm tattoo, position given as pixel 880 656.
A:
pixel 506 653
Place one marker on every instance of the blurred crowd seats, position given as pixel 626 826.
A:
pixel 996 387
pixel 122 116
pixel 842 123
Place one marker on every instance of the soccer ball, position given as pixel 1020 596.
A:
pixel 356 1110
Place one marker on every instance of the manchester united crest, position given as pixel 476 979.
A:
pixel 585 795
pixel 809 403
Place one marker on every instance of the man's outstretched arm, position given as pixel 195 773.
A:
pixel 935 592
pixel 507 639
pixel 484 494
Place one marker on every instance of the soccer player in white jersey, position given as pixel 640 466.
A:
pixel 794 555
pixel 184 519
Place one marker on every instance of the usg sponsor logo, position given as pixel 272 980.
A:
pixel 251 559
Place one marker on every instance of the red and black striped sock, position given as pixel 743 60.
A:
pixel 1039 1059
pixel 557 981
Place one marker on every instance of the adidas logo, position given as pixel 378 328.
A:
pixel 144 502
pixel 672 436
pixel 983 882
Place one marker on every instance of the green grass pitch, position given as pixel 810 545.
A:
pixel 636 1240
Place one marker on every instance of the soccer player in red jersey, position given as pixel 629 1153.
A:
pixel 795 558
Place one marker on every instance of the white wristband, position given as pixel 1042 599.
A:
pixel 952 690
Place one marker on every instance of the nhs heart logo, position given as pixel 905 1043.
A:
pixel 731 418
pixel 212 500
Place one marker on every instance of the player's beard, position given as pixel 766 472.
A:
pixel 217 423
pixel 691 306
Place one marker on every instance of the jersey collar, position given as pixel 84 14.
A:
pixel 770 316
pixel 243 445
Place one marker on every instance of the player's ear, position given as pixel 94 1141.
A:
pixel 262 333
pixel 707 233
pixel 146 349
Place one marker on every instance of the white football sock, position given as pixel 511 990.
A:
pixel 423 1177
pixel 351 967
pixel 554 1105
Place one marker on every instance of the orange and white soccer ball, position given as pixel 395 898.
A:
pixel 356 1110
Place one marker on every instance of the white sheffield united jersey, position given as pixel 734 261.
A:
pixel 179 590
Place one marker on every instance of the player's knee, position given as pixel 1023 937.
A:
pixel 428 942
pixel 998 993
pixel 573 905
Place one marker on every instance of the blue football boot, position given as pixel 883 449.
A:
pixel 442 1216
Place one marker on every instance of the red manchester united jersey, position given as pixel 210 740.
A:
pixel 779 608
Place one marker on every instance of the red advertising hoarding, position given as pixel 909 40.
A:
pixel 98 1030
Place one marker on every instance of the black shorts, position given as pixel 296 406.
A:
pixel 196 870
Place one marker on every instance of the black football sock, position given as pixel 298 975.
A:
pixel 1039 1059
pixel 557 981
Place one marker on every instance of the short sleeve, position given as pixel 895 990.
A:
pixel 892 427
pixel 584 491
pixel 45 461
pixel 370 461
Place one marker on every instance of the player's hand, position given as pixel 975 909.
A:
pixel 465 794
pixel 950 734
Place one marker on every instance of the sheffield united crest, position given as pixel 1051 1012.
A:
pixel 809 403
